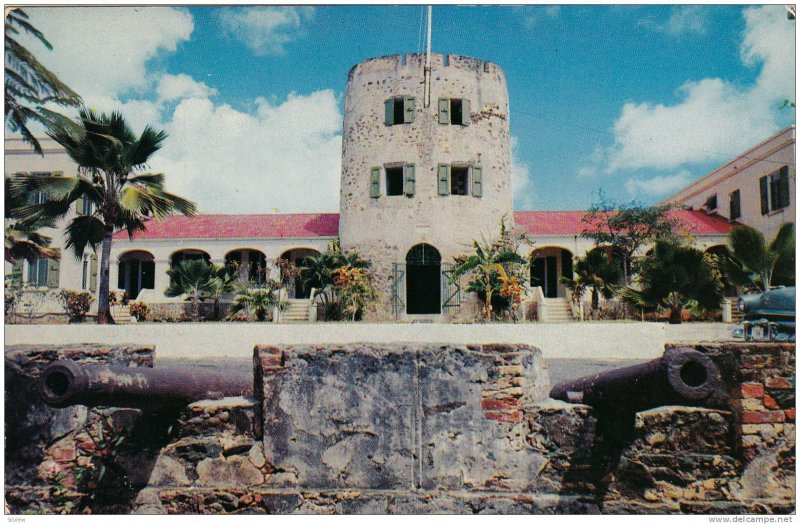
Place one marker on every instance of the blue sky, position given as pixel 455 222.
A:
pixel 636 100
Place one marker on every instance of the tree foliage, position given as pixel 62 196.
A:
pixel 756 265
pixel 627 228
pixel 111 160
pixel 29 86
pixel 676 277
pixel 492 268
pixel 597 272
pixel 319 272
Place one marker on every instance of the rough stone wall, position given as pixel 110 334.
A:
pixel 404 429
pixel 45 447
pixel 385 228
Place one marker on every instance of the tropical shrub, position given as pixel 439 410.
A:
pixel 139 310
pixel 258 302
pixel 354 285
pixel 319 271
pixel 195 279
pixel 756 265
pixel 596 272
pixel 677 278
pixel 490 266
pixel 76 304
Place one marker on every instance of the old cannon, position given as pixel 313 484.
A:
pixel 681 376
pixel 64 383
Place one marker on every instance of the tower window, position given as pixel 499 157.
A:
pixel 394 181
pixel 399 110
pixel 459 180
pixel 454 111
pixel 711 203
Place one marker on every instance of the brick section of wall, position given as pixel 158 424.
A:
pixel 760 385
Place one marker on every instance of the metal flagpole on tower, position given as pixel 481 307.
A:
pixel 428 61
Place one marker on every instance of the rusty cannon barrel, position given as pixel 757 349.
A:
pixel 64 383
pixel 682 376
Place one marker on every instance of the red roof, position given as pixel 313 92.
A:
pixel 240 226
pixel 571 222
pixel 327 225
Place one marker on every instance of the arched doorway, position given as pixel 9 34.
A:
pixel 297 257
pixel 548 265
pixel 249 264
pixel 423 280
pixel 137 271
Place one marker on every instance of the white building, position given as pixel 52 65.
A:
pixel 425 170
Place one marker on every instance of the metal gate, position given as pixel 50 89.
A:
pixel 398 276
pixel 451 289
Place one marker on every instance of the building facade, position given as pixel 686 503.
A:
pixel 757 188
pixel 426 169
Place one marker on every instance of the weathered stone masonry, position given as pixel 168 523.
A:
pixel 428 429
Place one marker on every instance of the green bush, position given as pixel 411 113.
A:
pixel 76 304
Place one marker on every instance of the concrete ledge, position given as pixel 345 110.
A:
pixel 589 340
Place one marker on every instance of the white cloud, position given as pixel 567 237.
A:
pixel 266 30
pixel 174 87
pixel 659 185
pixel 683 20
pixel 285 156
pixel 104 50
pixel 521 181
pixel 715 118
pixel 587 171
pixel 539 13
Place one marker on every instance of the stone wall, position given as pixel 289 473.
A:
pixel 412 429
pixel 47 449
pixel 386 227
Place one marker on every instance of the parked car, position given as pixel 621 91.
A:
pixel 772 311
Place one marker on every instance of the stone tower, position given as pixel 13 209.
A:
pixel 419 183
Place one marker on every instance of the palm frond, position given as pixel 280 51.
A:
pixel 82 231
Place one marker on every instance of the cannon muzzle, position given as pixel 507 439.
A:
pixel 64 383
pixel 681 377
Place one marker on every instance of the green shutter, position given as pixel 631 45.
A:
pixel 79 204
pixel 388 107
pixel 444 110
pixel 409 179
pixel 375 182
pixel 16 270
pixel 477 180
pixel 444 179
pixel 465 114
pixel 53 269
pixel 783 187
pixel 93 273
pixel 409 104
pixel 764 183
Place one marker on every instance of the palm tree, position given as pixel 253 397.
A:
pixel 224 281
pixel 109 158
pixel 486 266
pixel 22 239
pixel 318 271
pixel 195 279
pixel 29 85
pixel 754 264
pixel 258 301
pixel 676 277
pixel 598 272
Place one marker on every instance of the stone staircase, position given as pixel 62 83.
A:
pixel 556 310
pixel 121 314
pixel 297 310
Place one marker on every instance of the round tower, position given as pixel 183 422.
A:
pixel 423 175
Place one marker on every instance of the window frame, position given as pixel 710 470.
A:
pixel 399 183
pixel 735 196
pixel 37 275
